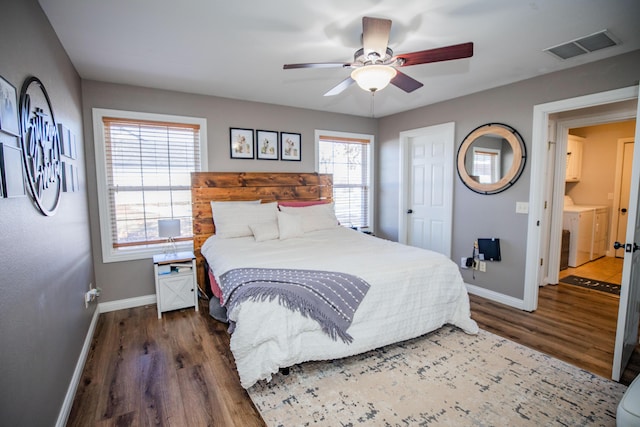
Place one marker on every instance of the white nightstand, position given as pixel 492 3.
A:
pixel 175 281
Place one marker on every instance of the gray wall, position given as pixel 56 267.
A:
pixel 492 216
pixel 130 279
pixel 599 153
pixel 46 262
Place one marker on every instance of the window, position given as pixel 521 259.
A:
pixel 348 157
pixel 144 164
pixel 486 165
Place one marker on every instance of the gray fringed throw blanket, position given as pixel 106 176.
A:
pixel 327 297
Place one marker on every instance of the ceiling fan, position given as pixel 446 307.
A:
pixel 375 66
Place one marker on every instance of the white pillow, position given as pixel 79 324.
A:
pixel 265 231
pixel 290 225
pixel 234 202
pixel 233 219
pixel 316 217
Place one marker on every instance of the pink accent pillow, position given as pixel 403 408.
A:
pixel 215 288
pixel 302 203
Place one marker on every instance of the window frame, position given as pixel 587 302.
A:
pixel 370 163
pixel 496 162
pixel 109 253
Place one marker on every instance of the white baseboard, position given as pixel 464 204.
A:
pixel 495 296
pixel 127 303
pixel 77 373
pixel 103 307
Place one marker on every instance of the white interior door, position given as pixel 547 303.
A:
pixel 625 187
pixel 549 253
pixel 629 309
pixel 427 196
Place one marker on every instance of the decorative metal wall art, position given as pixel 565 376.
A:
pixel 40 146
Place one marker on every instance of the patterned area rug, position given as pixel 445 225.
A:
pixel 446 378
pixel 598 285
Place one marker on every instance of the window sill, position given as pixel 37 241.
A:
pixel 146 252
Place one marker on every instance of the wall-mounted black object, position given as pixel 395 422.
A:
pixel 490 248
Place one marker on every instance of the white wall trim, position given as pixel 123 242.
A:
pixel 539 138
pixel 63 416
pixel 123 304
pixel 495 296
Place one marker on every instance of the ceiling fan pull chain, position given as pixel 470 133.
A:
pixel 373 110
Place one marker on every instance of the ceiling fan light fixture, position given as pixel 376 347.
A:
pixel 373 77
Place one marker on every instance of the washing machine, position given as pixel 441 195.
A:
pixel 587 225
pixel 579 222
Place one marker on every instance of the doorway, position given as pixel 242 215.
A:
pixel 596 196
pixel 541 203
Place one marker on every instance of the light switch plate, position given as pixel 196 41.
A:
pixel 522 207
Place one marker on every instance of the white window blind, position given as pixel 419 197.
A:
pixel 148 177
pixel 486 165
pixel 347 159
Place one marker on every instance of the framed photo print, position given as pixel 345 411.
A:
pixel 241 143
pixel 267 144
pixel 11 171
pixel 290 146
pixel 8 108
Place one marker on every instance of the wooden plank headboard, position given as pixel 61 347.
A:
pixel 269 187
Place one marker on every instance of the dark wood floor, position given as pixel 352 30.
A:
pixel 573 324
pixel 179 371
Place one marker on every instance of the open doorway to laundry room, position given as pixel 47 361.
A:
pixel 595 191
pixel 596 195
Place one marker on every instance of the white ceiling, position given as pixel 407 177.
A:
pixel 236 48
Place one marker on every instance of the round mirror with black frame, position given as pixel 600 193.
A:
pixel 491 158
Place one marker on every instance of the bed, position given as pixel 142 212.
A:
pixel 410 291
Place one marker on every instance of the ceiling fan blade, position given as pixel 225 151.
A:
pixel 340 87
pixel 406 83
pixel 375 35
pixel 447 53
pixel 318 65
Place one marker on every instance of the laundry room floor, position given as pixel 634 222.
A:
pixel 606 269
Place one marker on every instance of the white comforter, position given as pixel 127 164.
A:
pixel 413 291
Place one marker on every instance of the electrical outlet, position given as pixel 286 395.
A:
pixel 463 262
pixel 91 295
pixel 483 266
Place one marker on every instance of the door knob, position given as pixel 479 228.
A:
pixel 629 247
pixel 623 210
pixel 410 211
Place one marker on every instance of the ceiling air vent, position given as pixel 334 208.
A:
pixel 583 45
